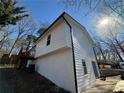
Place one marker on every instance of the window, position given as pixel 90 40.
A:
pixel 48 40
pixel 84 66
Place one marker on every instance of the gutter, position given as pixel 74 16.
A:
pixel 73 52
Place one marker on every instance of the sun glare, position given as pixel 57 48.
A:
pixel 104 21
pixel 103 25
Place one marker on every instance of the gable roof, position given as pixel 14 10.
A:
pixel 66 16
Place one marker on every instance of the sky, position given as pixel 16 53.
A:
pixel 46 11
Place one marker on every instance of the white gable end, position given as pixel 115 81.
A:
pixel 58 40
pixel 62 61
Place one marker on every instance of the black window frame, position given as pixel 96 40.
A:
pixel 84 67
pixel 48 40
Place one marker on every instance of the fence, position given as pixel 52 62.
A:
pixel 6 60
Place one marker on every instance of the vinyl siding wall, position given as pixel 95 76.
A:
pixel 83 50
pixel 58 67
pixel 58 39
pixel 55 61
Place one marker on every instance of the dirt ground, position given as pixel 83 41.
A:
pixel 103 86
pixel 21 81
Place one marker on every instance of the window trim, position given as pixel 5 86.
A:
pixel 84 65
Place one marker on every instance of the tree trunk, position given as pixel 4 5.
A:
pixel 117 52
pixel 1 45
pixel 2 42
pixel 13 46
pixel 102 54
pixel 28 46
pixel 96 56
pixel 120 46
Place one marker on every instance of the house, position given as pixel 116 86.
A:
pixel 64 54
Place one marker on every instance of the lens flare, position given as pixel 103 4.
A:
pixel 104 21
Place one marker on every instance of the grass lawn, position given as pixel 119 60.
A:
pixel 18 81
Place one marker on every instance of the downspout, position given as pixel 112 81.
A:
pixel 95 53
pixel 99 72
pixel 73 52
pixel 96 56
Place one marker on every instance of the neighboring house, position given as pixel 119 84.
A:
pixel 64 55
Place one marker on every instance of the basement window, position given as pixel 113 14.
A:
pixel 84 66
pixel 48 40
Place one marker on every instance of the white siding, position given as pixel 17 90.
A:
pixel 83 50
pixel 58 67
pixel 58 39
pixel 56 62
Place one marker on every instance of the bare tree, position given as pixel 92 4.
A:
pixel 115 7
pixel 43 27
pixel 112 46
pixel 108 49
pixel 119 44
pixel 24 27
pixel 30 41
pixel 100 50
pixel 6 45
pixel 26 43
pixel 108 6
pixel 4 35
